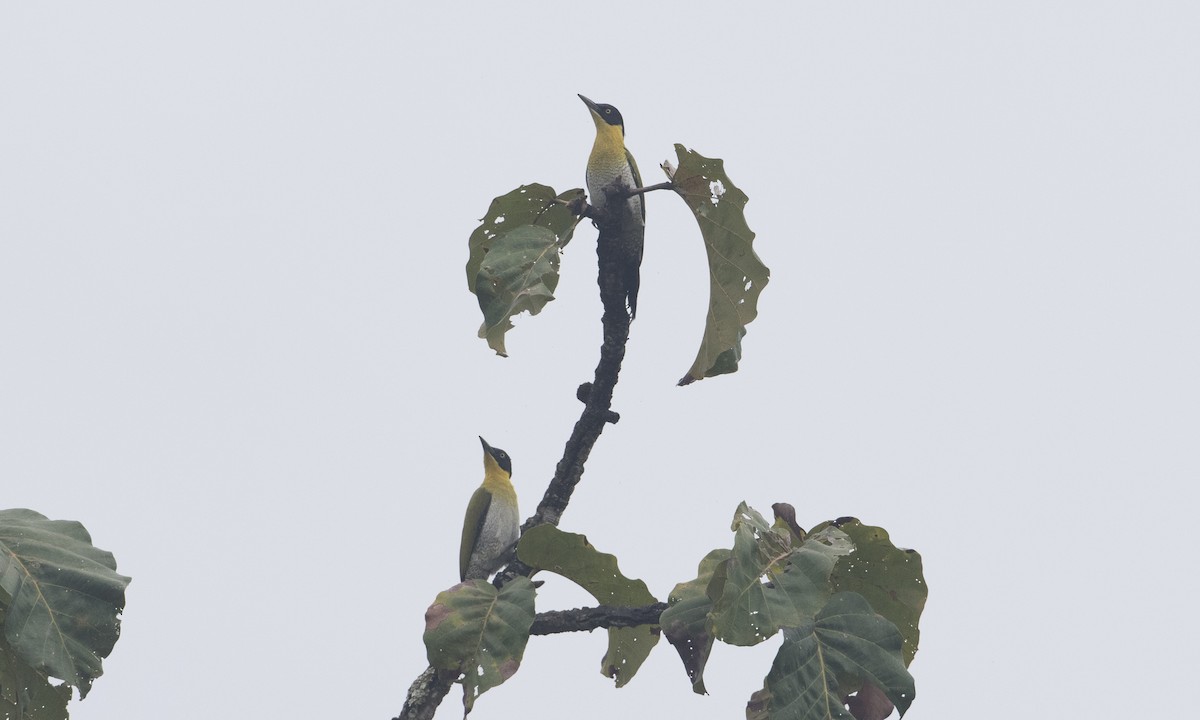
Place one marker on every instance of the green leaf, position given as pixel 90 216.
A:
pixel 747 610
pixel 65 596
pixel 527 205
pixel 481 632
pixel 519 274
pixel 514 255
pixel 746 515
pixel 846 644
pixel 831 541
pixel 545 547
pixel 890 578
pixel 685 622
pixel 736 275
pixel 27 694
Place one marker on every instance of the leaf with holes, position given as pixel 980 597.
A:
pixel 736 275
pixel 481 632
pixel 890 578
pixel 64 596
pixel 685 621
pixel 545 547
pixel 26 693
pixel 514 255
pixel 846 646
pixel 768 583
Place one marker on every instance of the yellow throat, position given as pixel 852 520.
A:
pixel 497 481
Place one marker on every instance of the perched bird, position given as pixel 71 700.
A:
pixel 492 524
pixel 785 517
pixel 611 172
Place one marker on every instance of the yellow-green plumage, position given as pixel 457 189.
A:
pixel 611 173
pixel 492 523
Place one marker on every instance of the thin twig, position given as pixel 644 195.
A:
pixel 650 188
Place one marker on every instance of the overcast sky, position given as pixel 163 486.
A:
pixel 236 340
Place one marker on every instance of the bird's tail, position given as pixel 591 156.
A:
pixel 620 254
pixel 632 280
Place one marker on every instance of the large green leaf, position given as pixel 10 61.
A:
pixel 519 273
pixel 481 632
pixel 846 645
pixel 890 578
pixel 748 609
pixel 736 274
pixel 685 622
pixel 27 694
pixel 545 547
pixel 514 255
pixel 64 596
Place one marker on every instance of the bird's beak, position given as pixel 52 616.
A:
pixel 486 448
pixel 591 105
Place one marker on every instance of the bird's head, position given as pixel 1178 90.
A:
pixel 605 116
pixel 495 460
pixel 785 517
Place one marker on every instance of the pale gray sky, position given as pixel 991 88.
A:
pixel 236 341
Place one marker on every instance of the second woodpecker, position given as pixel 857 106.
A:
pixel 492 524
pixel 611 174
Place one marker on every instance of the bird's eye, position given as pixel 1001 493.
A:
pixel 608 112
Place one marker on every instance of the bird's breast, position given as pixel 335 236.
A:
pixel 609 174
pixel 502 526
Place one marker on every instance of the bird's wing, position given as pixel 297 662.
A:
pixel 477 510
pixel 637 179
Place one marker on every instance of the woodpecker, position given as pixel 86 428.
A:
pixel 611 174
pixel 785 517
pixel 492 524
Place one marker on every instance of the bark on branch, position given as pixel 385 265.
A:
pixel 590 618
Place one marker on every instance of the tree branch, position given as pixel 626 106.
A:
pixel 425 694
pixel 584 391
pixel 590 618
pixel 430 688
pixel 597 406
